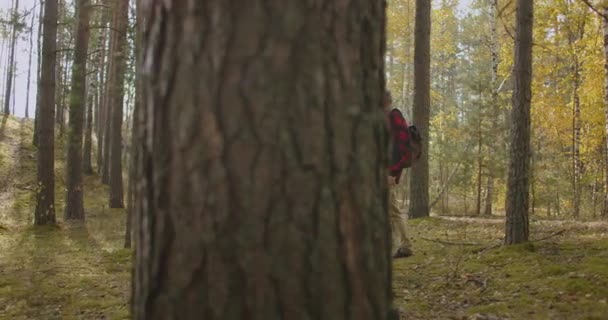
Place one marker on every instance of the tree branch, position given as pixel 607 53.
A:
pixel 590 5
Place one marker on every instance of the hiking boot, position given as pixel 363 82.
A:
pixel 403 253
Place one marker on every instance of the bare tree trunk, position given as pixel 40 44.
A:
pixel 492 161
pixel 74 209
pixel 419 178
pixel 605 25
pixel 87 166
pixel 11 60
pixel 576 140
pixel 103 66
pixel 38 72
pixel 320 229
pixel 45 197
pixel 116 99
pixel 479 164
pixel 518 192
pixel 29 67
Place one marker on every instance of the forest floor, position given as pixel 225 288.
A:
pixel 71 271
pixel 458 271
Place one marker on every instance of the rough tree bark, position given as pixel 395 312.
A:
pixel 45 197
pixel 419 178
pixel 11 59
pixel 282 94
pixel 518 193
pixel 74 208
pixel 116 100
pixel 87 163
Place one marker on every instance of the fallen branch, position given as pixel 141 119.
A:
pixel 555 234
pixel 452 243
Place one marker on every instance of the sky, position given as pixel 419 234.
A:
pixel 22 55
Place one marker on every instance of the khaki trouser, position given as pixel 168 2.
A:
pixel 398 223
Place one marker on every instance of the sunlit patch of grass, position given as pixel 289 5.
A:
pixel 67 271
pixel 561 277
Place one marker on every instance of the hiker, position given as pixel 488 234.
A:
pixel 404 150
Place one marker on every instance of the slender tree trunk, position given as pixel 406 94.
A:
pixel 518 192
pixel 419 178
pixel 576 137
pixel 320 229
pixel 137 125
pixel 29 68
pixel 479 164
pixel 107 104
pixel 492 160
pixel 45 197
pixel 74 209
pixel 38 72
pixel 87 166
pixel 605 25
pixel 102 67
pixel 11 62
pixel 117 88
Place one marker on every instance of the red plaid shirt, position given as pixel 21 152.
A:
pixel 399 136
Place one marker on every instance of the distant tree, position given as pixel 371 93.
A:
pixel 29 66
pixel 116 100
pixel 299 117
pixel 74 209
pixel 45 197
pixel 518 194
pixel 10 74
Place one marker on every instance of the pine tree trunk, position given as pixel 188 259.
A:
pixel 38 72
pixel 87 166
pixel 492 161
pixel 107 103
pixel 518 192
pixel 74 209
pixel 11 60
pixel 576 127
pixel 479 165
pixel 605 25
pixel 102 66
pixel 45 197
pixel 116 97
pixel 220 126
pixel 419 178
pixel 29 68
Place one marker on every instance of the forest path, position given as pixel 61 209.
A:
pixel 67 271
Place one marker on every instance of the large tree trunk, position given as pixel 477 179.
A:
pixel 116 101
pixel 518 192
pixel 29 67
pixel 45 197
pixel 247 106
pixel 11 60
pixel 419 179
pixel 74 209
